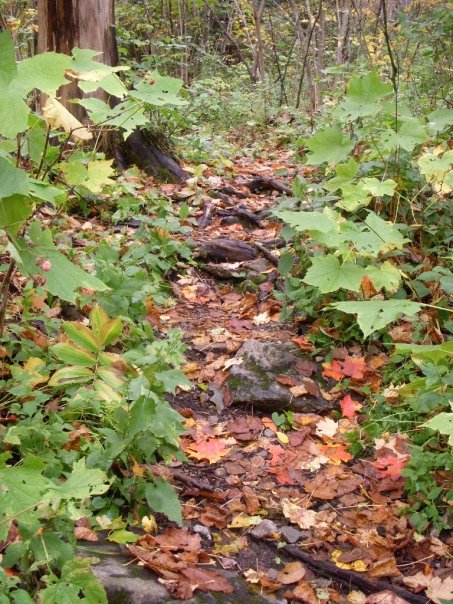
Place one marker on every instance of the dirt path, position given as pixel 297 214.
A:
pixel 286 507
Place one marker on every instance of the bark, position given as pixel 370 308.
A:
pixel 66 24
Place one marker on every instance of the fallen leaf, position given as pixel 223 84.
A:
pixel 291 573
pixel 303 592
pixel 286 380
pixel 303 343
pixel 356 565
pixel 354 367
pixel 207 580
pixel 391 466
pixel 212 449
pixel 440 590
pixel 327 427
pixel 85 534
pixel 298 390
pixel 349 406
pixel 299 515
pixel 333 370
pixel 385 597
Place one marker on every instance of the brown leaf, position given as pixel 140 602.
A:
pixel 178 539
pixel 384 568
pixel 303 592
pixel 286 380
pixel 385 597
pixel 85 534
pixel 214 516
pixel 291 573
pixel 207 580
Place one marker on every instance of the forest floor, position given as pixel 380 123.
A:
pixel 285 506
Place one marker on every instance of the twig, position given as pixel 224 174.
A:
pixel 266 253
pixel 5 289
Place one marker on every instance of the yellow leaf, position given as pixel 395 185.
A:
pixel 57 116
pixel 358 565
pixel 282 438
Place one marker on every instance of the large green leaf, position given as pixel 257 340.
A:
pixel 161 497
pixel 373 315
pixel 324 222
pixel 22 489
pixel 411 134
pixel 328 145
pixel 440 119
pixel 443 423
pixel 45 71
pixel 81 483
pixel 68 353
pixel 14 211
pixel 364 93
pixel 13 181
pixel 345 175
pixel 386 232
pixel 387 276
pixel 354 196
pixel 327 274
pixel 378 188
pixel 64 278
pixel 8 68
pixel 159 91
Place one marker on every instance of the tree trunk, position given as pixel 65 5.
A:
pixel 66 24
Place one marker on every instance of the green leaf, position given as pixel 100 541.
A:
pixel 110 83
pixel 64 278
pixel 324 222
pixel 23 488
pixel 71 375
pixel 68 353
pixel 94 176
pixel 426 352
pixel 443 423
pixel 13 181
pixel 363 95
pixel 164 91
pixel 411 134
pixel 14 211
pixel 438 169
pixel 8 68
pixel 353 197
pixel 440 119
pixel 161 497
pixel 345 175
pixel 327 274
pixel 81 483
pixel 386 276
pixel 82 335
pixel 376 314
pixel 110 331
pixel 45 71
pixel 77 585
pixel 111 377
pixel 378 188
pixel 386 232
pixel 328 145
pixel 122 536
pixel 172 378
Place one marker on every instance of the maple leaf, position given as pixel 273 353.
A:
pixel 354 367
pixel 212 449
pixel 326 427
pixel 333 370
pixel 349 406
pixel 303 343
pixel 301 516
pixel 336 453
pixel 391 466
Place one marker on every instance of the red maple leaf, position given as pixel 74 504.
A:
pixel 349 406
pixel 212 449
pixel 354 367
pixel 303 343
pixel 333 370
pixel 391 466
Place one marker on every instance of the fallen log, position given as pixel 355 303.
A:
pixel 226 250
pixel 261 183
pixel 349 577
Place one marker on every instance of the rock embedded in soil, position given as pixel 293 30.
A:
pixel 127 583
pixel 254 380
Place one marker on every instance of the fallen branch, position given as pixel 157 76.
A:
pixel 348 577
pixel 207 215
pixel 266 253
pixel 260 183
pixel 226 250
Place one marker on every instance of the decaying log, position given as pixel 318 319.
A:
pixel 260 183
pixel 226 250
pixel 349 577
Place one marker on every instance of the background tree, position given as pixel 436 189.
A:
pixel 63 26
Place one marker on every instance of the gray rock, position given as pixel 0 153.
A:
pixel 290 534
pixel 254 381
pixel 202 530
pixel 127 583
pixel 264 529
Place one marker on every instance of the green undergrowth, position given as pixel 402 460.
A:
pixel 85 376
pixel 369 233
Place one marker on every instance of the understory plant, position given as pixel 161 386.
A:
pixel 84 411
pixel 371 240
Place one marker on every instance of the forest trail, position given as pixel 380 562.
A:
pixel 285 506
